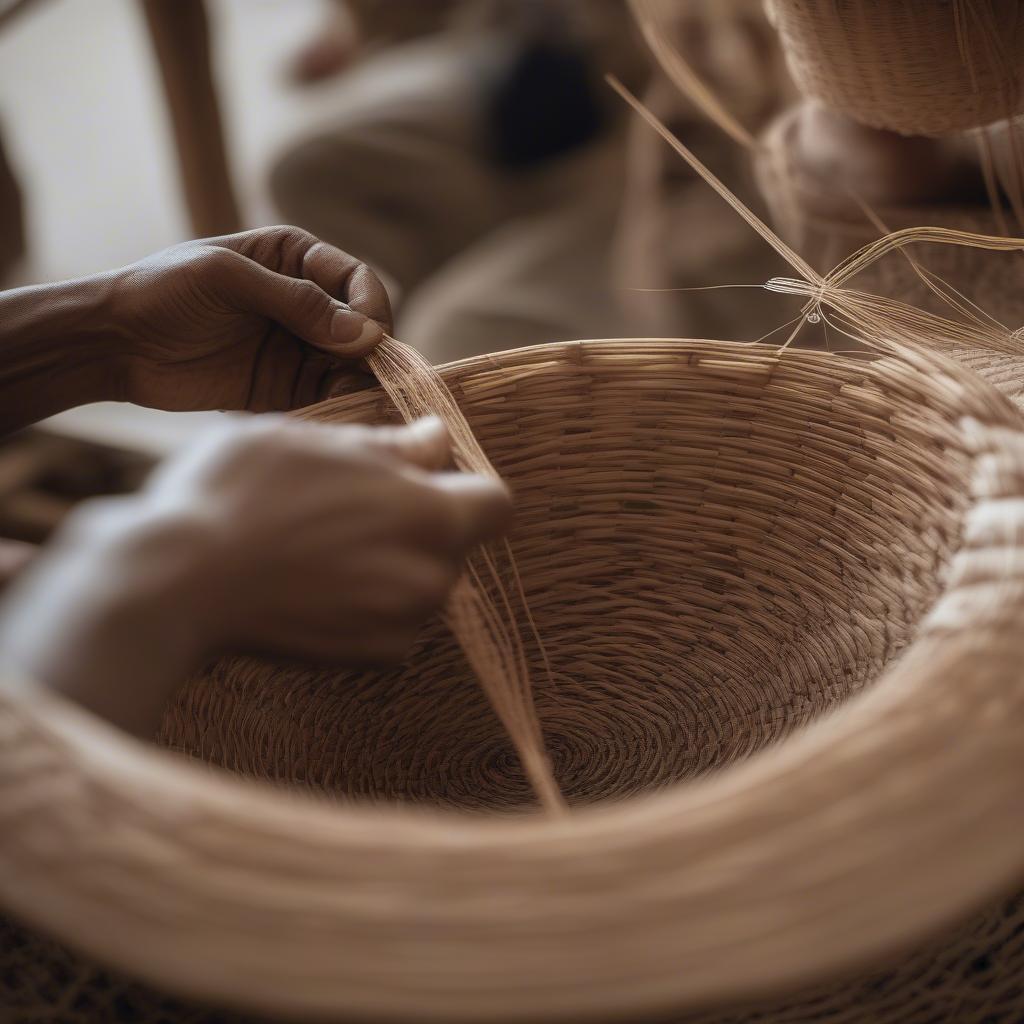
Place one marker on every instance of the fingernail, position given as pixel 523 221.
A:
pixel 356 334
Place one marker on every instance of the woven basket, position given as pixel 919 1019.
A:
pixel 726 551
pixel 920 67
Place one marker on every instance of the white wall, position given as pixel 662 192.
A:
pixel 83 118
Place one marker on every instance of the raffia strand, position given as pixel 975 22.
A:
pixel 484 609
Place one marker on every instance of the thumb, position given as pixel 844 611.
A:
pixel 424 443
pixel 301 307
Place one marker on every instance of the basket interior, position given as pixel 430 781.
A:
pixel 717 546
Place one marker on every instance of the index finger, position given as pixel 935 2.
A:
pixel 295 252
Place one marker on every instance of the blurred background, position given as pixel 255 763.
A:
pixel 470 150
pixel 86 126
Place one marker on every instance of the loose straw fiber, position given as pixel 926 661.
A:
pixel 919 67
pixel 989 290
pixel 719 545
pixel 481 612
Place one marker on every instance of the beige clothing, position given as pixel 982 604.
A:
pixel 486 259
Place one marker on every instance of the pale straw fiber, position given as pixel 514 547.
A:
pixel 780 595
pixel 988 283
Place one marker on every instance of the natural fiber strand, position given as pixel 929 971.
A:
pixel 918 67
pixel 881 323
pixel 683 76
pixel 481 610
pixel 978 41
pixel 722 546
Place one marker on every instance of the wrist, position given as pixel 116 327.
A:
pixel 111 616
pixel 57 348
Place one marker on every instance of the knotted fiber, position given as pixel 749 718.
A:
pixel 988 280
pixel 918 67
pixel 781 596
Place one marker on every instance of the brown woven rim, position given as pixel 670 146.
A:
pixel 859 835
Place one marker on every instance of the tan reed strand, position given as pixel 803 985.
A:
pixel 992 38
pixel 647 14
pixel 881 323
pixel 975 336
pixel 482 609
pixel 919 67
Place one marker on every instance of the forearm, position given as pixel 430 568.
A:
pixel 106 623
pixel 181 39
pixel 56 349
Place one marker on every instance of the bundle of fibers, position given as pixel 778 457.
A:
pixel 983 282
pixel 835 522
pixel 918 67
pixel 482 609
pixel 955 325
pixel 781 596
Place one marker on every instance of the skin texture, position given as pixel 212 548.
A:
pixel 315 542
pixel 326 544
pixel 272 317
pixel 839 159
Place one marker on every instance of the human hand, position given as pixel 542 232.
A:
pixel 838 165
pixel 270 319
pixel 15 556
pixel 329 544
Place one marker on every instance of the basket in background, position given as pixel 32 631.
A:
pixel 918 67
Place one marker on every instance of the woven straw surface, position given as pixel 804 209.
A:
pixel 920 67
pixel 720 545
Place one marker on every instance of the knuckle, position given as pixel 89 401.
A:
pixel 307 297
pixel 218 262
pixel 287 232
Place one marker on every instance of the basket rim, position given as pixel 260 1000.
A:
pixel 773 872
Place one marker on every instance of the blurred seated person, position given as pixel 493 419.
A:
pixel 441 143
pixel 490 170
